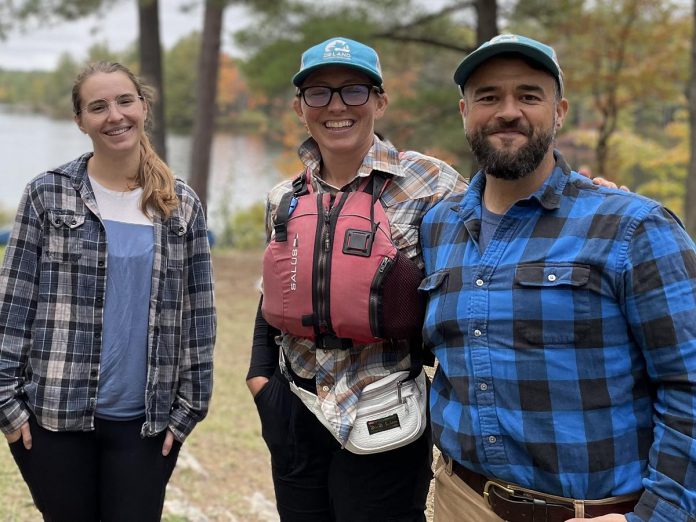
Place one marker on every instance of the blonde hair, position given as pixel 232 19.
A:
pixel 154 176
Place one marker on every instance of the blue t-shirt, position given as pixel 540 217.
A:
pixel 123 361
pixel 489 223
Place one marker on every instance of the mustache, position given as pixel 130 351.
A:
pixel 516 126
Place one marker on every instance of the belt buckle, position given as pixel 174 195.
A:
pixel 491 483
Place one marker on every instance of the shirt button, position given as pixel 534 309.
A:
pixel 325 388
pixel 73 222
pixel 479 282
pixel 483 386
pixel 492 439
pixel 552 277
pixel 100 263
pixel 477 333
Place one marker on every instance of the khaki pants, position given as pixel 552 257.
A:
pixel 455 501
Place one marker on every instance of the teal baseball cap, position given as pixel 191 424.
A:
pixel 538 52
pixel 340 51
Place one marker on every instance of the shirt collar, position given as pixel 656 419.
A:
pixel 382 156
pixel 548 195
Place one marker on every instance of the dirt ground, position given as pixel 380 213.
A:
pixel 223 472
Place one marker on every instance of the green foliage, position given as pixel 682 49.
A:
pixel 645 86
pixel 19 13
pixel 180 65
pixel 49 92
pixel 245 229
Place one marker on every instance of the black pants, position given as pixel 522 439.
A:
pixel 109 474
pixel 317 481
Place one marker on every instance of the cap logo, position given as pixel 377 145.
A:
pixel 504 38
pixel 337 49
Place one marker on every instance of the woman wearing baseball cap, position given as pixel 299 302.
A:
pixel 340 96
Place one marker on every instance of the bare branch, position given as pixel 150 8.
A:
pixel 433 16
pixel 426 40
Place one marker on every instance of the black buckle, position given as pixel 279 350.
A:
pixel 358 242
pixel 299 186
pixel 332 342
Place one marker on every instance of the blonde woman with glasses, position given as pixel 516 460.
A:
pixel 107 321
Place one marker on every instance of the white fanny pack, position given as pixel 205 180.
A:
pixel 391 412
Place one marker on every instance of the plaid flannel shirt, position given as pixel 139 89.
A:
pixel 417 182
pixel 52 287
pixel 567 348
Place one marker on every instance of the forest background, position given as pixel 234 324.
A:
pixel 627 66
pixel 629 78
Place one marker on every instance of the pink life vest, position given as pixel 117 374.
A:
pixel 331 272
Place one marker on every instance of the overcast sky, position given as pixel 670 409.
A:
pixel 41 46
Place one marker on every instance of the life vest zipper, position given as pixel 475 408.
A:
pixel 322 249
pixel 376 294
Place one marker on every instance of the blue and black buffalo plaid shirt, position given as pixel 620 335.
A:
pixel 567 349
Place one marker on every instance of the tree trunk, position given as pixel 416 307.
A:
pixel 151 68
pixel 487 25
pixel 206 91
pixel 690 202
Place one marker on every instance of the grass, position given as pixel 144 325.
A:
pixel 227 445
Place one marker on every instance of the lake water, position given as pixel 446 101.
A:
pixel 242 167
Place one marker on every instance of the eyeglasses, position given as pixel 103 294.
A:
pixel 125 102
pixel 352 95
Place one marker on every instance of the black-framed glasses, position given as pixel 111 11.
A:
pixel 125 102
pixel 352 95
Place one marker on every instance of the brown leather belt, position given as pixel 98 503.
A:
pixel 516 504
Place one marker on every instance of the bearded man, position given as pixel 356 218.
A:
pixel 563 317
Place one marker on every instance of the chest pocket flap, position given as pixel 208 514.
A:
pixel 434 281
pixel 552 275
pixel 176 232
pixel 65 218
pixel 63 239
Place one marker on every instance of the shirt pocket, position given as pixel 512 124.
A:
pixel 551 304
pixel 176 243
pixel 170 318
pixel 64 231
pixel 434 287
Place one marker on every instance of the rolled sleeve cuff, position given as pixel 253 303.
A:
pixel 652 508
pixel 13 415
pixel 181 423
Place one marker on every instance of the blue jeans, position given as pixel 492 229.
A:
pixel 317 481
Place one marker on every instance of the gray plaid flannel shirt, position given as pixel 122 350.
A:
pixel 52 287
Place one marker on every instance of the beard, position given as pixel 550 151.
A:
pixel 510 164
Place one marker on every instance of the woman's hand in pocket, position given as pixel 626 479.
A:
pixel 256 383
pixel 23 432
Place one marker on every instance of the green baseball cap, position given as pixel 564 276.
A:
pixel 538 52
